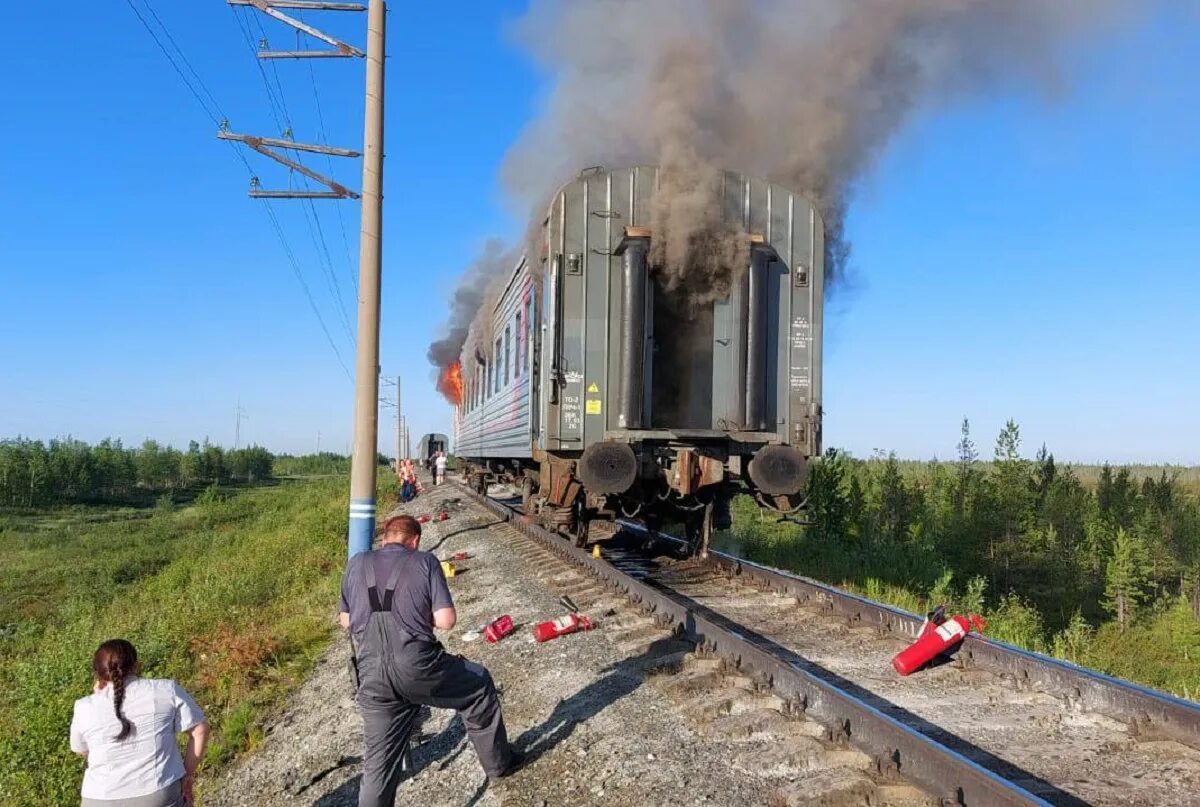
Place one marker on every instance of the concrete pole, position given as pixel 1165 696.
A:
pixel 400 429
pixel 366 366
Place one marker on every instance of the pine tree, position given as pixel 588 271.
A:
pixel 967 455
pixel 1013 484
pixel 1125 577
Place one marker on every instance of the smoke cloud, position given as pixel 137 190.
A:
pixel 477 286
pixel 806 93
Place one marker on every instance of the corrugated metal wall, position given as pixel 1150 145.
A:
pixel 583 279
pixel 496 424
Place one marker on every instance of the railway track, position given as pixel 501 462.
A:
pixel 996 726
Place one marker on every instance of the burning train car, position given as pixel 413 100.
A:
pixel 606 390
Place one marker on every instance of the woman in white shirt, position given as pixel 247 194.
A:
pixel 126 729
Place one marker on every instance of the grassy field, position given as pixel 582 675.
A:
pixel 232 596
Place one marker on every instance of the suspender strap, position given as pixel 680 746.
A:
pixel 385 604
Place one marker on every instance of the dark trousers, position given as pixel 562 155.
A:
pixel 390 696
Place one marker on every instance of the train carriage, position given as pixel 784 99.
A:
pixel 430 445
pixel 604 391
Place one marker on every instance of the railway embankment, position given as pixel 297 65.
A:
pixel 621 714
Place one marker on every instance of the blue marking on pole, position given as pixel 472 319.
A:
pixel 362 525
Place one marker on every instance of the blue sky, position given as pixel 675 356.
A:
pixel 1013 257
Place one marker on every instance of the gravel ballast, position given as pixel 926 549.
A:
pixel 599 729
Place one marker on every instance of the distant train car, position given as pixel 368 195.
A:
pixel 605 394
pixel 430 445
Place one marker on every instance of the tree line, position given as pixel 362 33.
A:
pixel 69 471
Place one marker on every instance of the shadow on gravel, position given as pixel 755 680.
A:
pixel 440 749
pixel 613 683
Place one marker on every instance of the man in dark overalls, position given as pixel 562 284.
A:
pixel 392 600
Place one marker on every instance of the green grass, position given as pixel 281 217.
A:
pixel 232 597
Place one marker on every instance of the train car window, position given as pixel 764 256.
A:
pixel 490 365
pixel 520 347
pixel 496 361
pixel 507 353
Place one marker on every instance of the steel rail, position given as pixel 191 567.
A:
pixel 894 746
pixel 1148 713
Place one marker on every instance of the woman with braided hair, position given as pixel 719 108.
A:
pixel 126 729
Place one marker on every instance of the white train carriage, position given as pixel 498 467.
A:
pixel 494 423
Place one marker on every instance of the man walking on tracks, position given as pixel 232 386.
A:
pixel 439 468
pixel 392 600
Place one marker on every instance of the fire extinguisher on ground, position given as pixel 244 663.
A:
pixel 937 635
pixel 564 625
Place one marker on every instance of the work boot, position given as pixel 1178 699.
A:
pixel 516 761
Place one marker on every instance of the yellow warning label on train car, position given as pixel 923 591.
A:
pixel 592 387
pixel 593 406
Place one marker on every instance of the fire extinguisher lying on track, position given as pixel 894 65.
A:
pixel 937 635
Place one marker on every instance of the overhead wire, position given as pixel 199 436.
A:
pixel 312 74
pixel 212 109
pixel 216 118
pixel 312 219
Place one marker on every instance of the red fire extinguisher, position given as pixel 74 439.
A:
pixel 498 629
pixel 937 635
pixel 571 623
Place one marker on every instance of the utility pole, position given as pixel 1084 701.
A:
pixel 237 430
pixel 400 455
pixel 366 367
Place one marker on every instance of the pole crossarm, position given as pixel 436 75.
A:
pixel 262 144
pixel 268 7
pixel 303 54
pixel 296 195
pixel 276 142
pixel 304 5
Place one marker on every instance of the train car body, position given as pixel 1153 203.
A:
pixel 607 387
pixel 430 445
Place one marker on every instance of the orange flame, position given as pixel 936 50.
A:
pixel 450 383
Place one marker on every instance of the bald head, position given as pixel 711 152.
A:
pixel 401 530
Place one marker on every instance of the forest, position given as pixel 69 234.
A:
pixel 1100 566
pixel 69 471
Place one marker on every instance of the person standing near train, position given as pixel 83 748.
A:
pixel 126 729
pixel 439 468
pixel 393 599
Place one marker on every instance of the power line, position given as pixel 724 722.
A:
pixel 303 42
pixel 249 37
pixel 327 264
pixel 184 58
pixel 304 285
pixel 217 116
pixel 312 219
